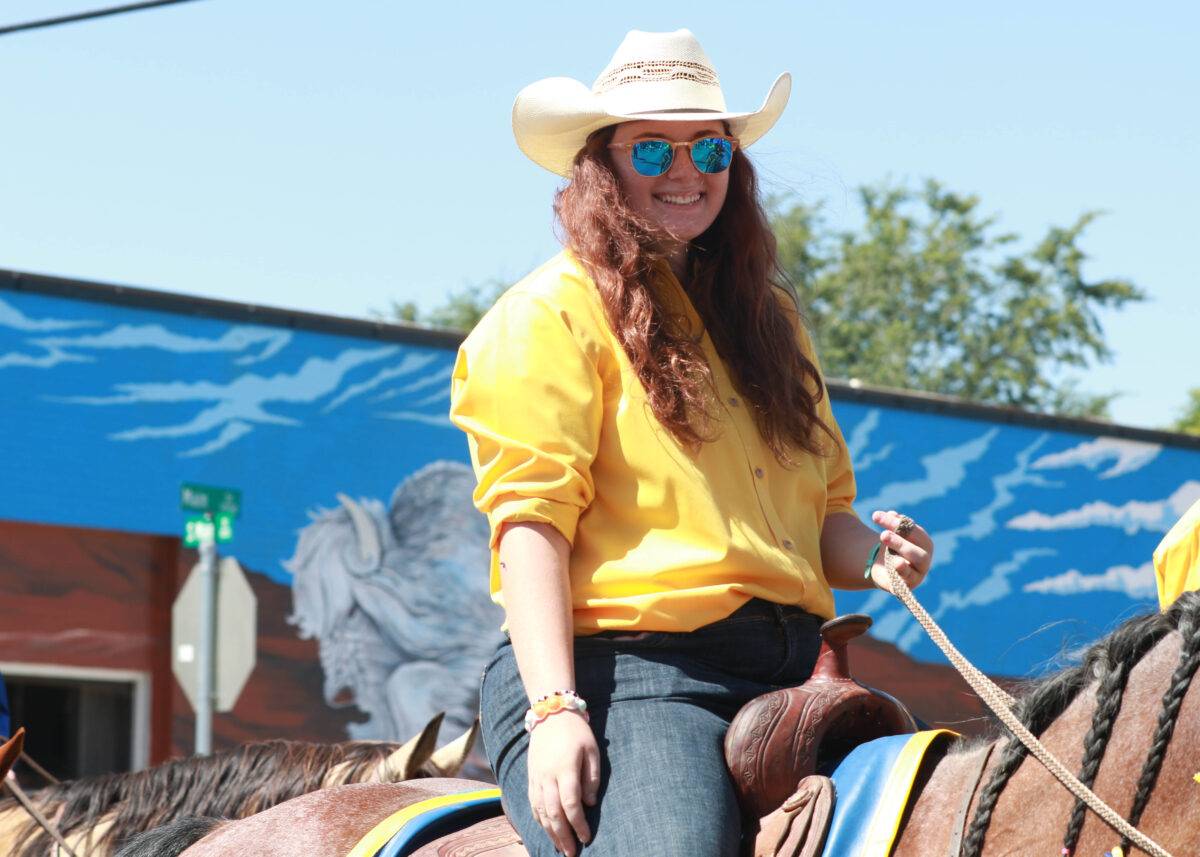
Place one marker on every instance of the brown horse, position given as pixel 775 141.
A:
pixel 96 814
pixel 1125 719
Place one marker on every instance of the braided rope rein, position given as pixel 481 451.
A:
pixel 999 701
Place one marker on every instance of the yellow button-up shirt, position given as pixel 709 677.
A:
pixel 662 538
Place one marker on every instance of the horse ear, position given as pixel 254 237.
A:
pixel 404 763
pixel 11 751
pixel 448 761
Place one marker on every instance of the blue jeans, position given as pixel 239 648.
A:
pixel 660 704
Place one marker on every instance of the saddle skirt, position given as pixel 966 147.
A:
pixel 873 785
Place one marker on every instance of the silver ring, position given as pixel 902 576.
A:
pixel 905 526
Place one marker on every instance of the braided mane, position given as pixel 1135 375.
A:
pixel 1110 660
pixel 227 784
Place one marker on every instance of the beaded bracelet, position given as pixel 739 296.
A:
pixel 552 703
pixel 871 560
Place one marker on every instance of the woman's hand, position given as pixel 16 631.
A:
pixel 912 554
pixel 564 775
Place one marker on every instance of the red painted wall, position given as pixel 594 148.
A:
pixel 96 598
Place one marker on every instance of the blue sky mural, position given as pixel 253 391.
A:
pixel 110 409
pixel 1043 536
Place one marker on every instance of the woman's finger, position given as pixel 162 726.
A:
pixel 571 798
pixel 535 802
pixel 911 576
pixel 591 774
pixel 916 556
pixel 554 821
pixel 889 520
pixel 918 535
pixel 539 812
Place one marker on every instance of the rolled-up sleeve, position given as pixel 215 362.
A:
pixel 529 397
pixel 840 488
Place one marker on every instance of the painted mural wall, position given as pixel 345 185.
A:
pixel 356 495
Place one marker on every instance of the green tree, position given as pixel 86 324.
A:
pixel 929 295
pixel 1189 419
pixel 460 310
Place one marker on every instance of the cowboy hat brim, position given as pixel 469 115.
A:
pixel 552 119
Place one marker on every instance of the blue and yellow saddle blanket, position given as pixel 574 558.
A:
pixel 403 832
pixel 872 787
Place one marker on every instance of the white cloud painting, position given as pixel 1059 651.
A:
pixel 1132 517
pixel 1122 456
pixel 1134 582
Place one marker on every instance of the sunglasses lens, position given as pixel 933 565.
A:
pixel 712 154
pixel 651 157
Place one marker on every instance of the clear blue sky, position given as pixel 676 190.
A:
pixel 335 156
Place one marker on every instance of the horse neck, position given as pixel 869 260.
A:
pixel 1032 812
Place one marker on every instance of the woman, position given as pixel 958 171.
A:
pixel 668 492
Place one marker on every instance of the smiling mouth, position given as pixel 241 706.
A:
pixel 679 198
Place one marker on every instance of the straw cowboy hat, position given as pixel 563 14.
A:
pixel 663 76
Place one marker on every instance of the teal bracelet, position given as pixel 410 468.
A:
pixel 871 560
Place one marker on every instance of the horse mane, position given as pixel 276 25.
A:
pixel 227 784
pixel 1108 661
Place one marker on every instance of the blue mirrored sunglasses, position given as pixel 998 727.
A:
pixel 654 157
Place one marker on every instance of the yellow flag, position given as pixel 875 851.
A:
pixel 1177 558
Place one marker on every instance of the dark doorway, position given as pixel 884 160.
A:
pixel 73 728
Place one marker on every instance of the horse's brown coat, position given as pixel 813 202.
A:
pixel 330 821
pixel 1031 815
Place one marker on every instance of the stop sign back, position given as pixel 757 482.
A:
pixel 235 639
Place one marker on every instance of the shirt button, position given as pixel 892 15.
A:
pixel 758 471
pixel 787 543
pixel 733 400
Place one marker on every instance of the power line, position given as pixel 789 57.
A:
pixel 83 16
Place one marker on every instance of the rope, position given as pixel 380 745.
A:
pixel 42 772
pixel 999 701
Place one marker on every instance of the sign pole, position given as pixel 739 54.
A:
pixel 205 659
pixel 217 507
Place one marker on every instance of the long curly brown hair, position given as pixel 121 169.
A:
pixel 734 282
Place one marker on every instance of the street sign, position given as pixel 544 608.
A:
pixel 219 528
pixel 236 634
pixel 208 498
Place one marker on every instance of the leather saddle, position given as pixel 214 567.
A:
pixel 780 738
pixel 776 748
